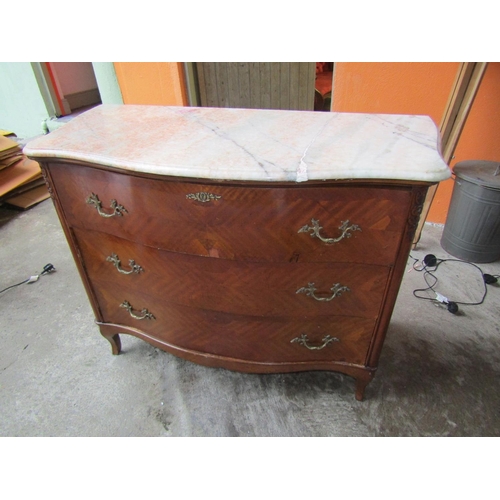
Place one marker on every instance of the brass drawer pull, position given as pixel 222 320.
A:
pixel 118 209
pixel 316 228
pixel 303 340
pixel 134 268
pixel 204 197
pixel 145 314
pixel 310 290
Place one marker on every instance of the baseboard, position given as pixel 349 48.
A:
pixel 84 98
pixel 434 224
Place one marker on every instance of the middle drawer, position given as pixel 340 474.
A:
pixel 246 288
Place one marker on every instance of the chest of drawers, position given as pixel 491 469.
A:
pixel 258 241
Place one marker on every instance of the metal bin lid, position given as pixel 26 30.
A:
pixel 482 172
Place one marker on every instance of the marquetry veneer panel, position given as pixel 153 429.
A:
pixel 257 223
pixel 253 288
pixel 250 338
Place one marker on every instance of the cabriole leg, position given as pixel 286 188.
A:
pixel 109 333
pixel 116 344
pixel 361 383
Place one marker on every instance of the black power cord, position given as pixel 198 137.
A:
pixel 431 261
pixel 47 269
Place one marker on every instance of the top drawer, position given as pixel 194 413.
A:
pixel 238 222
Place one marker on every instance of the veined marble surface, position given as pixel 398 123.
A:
pixel 250 144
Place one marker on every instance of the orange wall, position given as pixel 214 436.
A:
pixel 480 139
pixel 399 88
pixel 158 83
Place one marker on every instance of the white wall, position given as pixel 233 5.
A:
pixel 109 89
pixel 22 106
pixel 25 104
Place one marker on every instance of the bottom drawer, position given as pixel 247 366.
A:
pixel 251 338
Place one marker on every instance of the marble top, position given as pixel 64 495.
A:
pixel 249 144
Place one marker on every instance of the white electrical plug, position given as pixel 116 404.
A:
pixel 442 298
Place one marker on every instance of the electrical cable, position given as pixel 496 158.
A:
pixel 430 261
pixel 48 268
pixel 12 286
pixel 431 286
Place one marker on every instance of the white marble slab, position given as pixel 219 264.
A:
pixel 249 144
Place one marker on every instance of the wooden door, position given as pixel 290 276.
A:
pixel 263 85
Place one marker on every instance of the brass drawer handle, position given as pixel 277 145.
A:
pixel 310 290
pixel 204 197
pixel 303 340
pixel 316 228
pixel 134 268
pixel 145 314
pixel 118 209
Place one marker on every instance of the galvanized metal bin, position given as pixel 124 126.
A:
pixel 472 229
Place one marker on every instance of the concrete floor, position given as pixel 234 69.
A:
pixel 438 373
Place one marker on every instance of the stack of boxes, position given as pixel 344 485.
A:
pixel 21 181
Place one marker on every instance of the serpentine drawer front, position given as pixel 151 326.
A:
pixel 255 240
pixel 255 288
pixel 251 338
pixel 213 226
